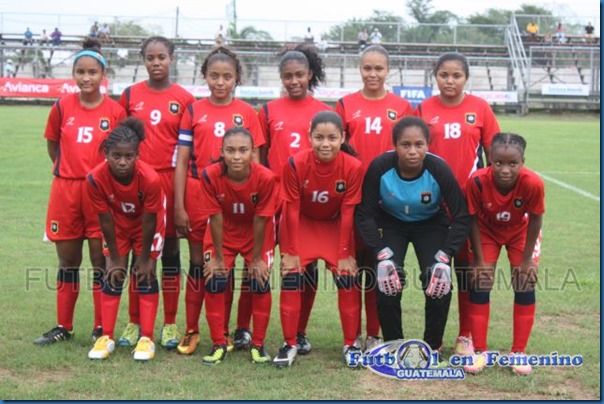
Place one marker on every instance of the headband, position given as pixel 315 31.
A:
pixel 92 54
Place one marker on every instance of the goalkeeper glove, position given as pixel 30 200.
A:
pixel 387 278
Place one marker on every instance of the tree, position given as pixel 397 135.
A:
pixel 249 32
pixel 432 26
pixel 131 28
pixel 390 27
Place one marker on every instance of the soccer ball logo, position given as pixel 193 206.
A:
pixel 414 354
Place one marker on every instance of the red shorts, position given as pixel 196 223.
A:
pixel 166 178
pixel 320 239
pixel 70 215
pixel 514 240
pixel 197 220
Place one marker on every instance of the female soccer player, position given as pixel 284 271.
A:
pixel 160 104
pixel 411 196
pixel 202 129
pixel 238 196
pixel 285 123
pixel 321 187
pixel 507 204
pixel 368 117
pixel 77 124
pixel 461 126
pixel 127 196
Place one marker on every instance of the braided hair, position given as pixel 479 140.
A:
pixel 131 131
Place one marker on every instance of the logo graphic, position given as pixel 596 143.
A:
pixel 518 203
pixel 279 126
pixel 203 119
pixel 128 207
pixel 391 114
pixel 104 124
pixel 54 227
pixel 70 121
pixel 340 186
pixel 174 107
pixel 237 119
pixel 357 114
pixel 426 198
pixel 139 106
pixel 434 120
pixel 471 118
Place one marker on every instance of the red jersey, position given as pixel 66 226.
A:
pixel 368 123
pixel 79 132
pixel 238 203
pixel 126 202
pixel 204 124
pixel 285 123
pixel 458 132
pixel 161 111
pixel 495 210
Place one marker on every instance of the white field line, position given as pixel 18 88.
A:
pixel 570 187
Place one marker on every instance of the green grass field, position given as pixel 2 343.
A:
pixel 563 148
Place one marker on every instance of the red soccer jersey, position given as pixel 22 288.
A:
pixel 457 132
pixel 126 202
pixel 285 123
pixel 79 132
pixel 368 123
pixel 161 111
pixel 495 210
pixel 238 203
pixel 204 124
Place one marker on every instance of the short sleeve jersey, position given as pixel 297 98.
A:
pixel 79 132
pixel 368 123
pixel 458 132
pixel 322 188
pixel 238 203
pixel 126 202
pixel 204 124
pixel 285 124
pixel 161 111
pixel 496 210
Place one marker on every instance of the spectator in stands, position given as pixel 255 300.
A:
pixel 548 39
pixel 362 38
pixel 309 37
pixel 220 37
pixel 560 38
pixel 9 69
pixel 43 38
pixel 28 37
pixel 376 37
pixel 532 29
pixel 105 33
pixel 589 32
pixel 56 37
pixel 94 30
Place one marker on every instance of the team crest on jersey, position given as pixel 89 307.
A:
pixel 174 107
pixel 340 186
pixel 518 203
pixel 391 114
pixel 426 198
pixel 207 256
pixel 471 118
pixel 254 198
pixel 54 227
pixel 237 119
pixel 104 124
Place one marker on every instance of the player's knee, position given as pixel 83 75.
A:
pixel 195 271
pixel 97 277
pixel 258 287
pixel 170 265
pixel 292 281
pixel 217 284
pixel 480 297
pixel 524 298
pixel 346 282
pixel 148 289
pixel 311 275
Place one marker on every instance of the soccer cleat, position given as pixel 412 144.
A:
pixel 130 336
pixel 242 339
pixel 259 354
pixel 145 349
pixel 97 333
pixel 169 336
pixel 286 356
pixel 55 335
pixel 103 347
pixel 358 342
pixel 479 361
pixel 372 341
pixel 464 346
pixel 188 343
pixel 348 351
pixel 229 343
pixel 523 368
pixel 216 355
pixel 303 344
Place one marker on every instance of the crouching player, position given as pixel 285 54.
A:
pixel 238 196
pixel 507 204
pixel 127 195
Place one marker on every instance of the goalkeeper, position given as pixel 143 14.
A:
pixel 411 196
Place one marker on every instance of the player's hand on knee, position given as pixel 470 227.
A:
pixel 214 266
pixel 347 266
pixel 259 271
pixel 524 277
pixel 439 283
pixel 289 263
pixel 387 278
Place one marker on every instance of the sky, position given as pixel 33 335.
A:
pixel 200 18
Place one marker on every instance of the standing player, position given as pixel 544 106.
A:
pixel 321 187
pixel 160 104
pixel 285 123
pixel 127 196
pixel 77 124
pixel 411 196
pixel 239 197
pixel 461 125
pixel 507 204
pixel 368 117
pixel 202 128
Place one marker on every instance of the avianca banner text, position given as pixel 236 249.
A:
pixel 40 88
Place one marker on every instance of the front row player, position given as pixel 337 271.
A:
pixel 507 204
pixel 127 196
pixel 238 196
